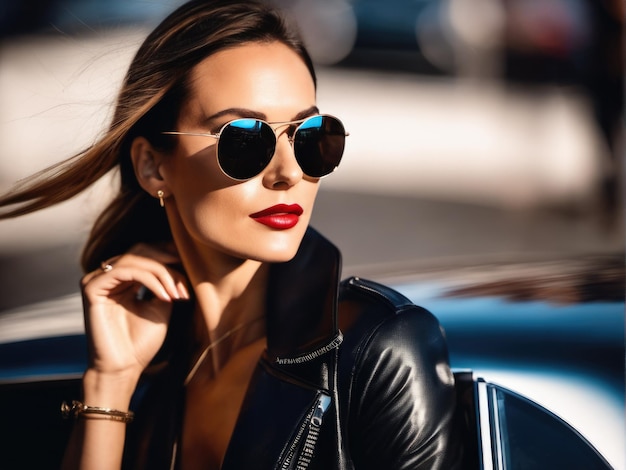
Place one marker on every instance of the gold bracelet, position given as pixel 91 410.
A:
pixel 78 410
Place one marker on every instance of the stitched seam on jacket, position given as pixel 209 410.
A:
pixel 333 344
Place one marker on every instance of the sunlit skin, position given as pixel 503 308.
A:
pixel 210 213
pixel 221 246
pixel 225 251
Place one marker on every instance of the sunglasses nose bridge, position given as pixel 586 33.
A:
pixel 278 133
pixel 290 140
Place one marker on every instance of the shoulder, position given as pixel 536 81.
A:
pixel 396 387
pixel 384 329
pixel 379 310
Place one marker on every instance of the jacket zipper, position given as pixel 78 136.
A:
pixel 311 426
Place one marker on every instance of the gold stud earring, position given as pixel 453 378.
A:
pixel 160 195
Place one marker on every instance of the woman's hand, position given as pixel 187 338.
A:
pixel 124 328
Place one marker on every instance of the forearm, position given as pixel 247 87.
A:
pixel 97 442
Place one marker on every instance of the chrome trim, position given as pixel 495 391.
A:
pixel 484 426
pixel 497 429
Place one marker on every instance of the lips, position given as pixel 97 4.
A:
pixel 280 216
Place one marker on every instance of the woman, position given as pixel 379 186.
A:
pixel 211 309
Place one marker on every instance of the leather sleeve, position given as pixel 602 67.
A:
pixel 402 412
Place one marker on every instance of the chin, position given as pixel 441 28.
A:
pixel 279 250
pixel 281 259
pixel 279 255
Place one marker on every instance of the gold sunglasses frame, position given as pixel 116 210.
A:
pixel 272 125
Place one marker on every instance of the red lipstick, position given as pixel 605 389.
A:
pixel 280 216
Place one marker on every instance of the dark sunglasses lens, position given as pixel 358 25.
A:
pixel 318 145
pixel 245 148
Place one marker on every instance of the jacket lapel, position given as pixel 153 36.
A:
pixel 302 301
pixel 293 387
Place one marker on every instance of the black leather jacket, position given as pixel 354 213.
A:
pixel 378 396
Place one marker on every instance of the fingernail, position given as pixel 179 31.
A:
pixel 183 291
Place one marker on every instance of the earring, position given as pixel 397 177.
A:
pixel 160 195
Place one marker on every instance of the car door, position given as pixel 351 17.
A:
pixel 516 433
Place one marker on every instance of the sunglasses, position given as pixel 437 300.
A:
pixel 246 146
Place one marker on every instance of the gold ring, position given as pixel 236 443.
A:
pixel 106 267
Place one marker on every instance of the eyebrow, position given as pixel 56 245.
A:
pixel 249 113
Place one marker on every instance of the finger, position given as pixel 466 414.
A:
pixel 181 285
pixel 159 282
pixel 143 256
pixel 173 281
pixel 131 270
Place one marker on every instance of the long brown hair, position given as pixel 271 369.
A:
pixel 148 103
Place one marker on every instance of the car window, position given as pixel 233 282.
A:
pixel 518 434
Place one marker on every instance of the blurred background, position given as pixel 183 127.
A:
pixel 481 132
pixel 478 128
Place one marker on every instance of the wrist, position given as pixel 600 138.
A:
pixel 108 390
pixel 78 409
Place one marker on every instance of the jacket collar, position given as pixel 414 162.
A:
pixel 302 302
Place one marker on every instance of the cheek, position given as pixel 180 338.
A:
pixel 213 210
pixel 192 176
pixel 197 185
pixel 217 219
pixel 224 207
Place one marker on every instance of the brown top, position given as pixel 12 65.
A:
pixel 213 401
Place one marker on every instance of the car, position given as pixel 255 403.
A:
pixel 536 346
pixel 544 342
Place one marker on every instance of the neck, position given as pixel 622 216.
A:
pixel 231 297
pixel 230 301
pixel 229 313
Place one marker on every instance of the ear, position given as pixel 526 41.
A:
pixel 146 162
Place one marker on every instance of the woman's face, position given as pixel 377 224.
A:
pixel 206 208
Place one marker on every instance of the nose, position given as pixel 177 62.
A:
pixel 283 170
